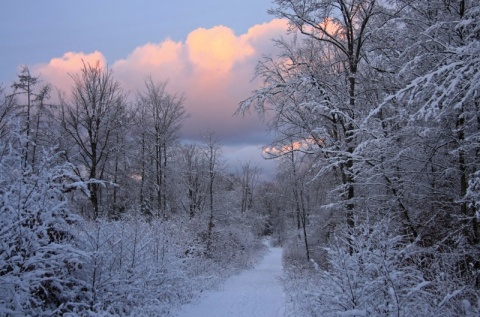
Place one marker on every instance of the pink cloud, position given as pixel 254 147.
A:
pixel 213 68
pixel 155 54
pixel 163 61
pixel 217 49
pixel 59 70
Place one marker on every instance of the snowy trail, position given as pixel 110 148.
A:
pixel 253 293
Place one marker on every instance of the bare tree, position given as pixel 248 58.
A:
pixel 31 108
pixel 6 111
pixel 249 179
pixel 90 121
pixel 161 116
pixel 194 172
pixel 212 152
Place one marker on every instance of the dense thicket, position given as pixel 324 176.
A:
pixel 375 105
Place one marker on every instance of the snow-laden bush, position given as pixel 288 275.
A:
pixel 234 246
pixel 37 257
pixel 372 272
pixel 134 264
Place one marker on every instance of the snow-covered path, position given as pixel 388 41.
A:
pixel 253 293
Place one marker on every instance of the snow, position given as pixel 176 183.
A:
pixel 253 293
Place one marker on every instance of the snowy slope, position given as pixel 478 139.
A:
pixel 253 293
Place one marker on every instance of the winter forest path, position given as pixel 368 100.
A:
pixel 253 293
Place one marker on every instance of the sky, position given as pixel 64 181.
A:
pixel 205 49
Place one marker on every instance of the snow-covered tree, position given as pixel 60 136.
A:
pixel 38 258
pixel 192 169
pixel 314 88
pixel 381 277
pixel 90 122
pixel 160 116
pixel 31 106
pixel 6 112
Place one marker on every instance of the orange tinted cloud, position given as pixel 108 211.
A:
pixel 302 145
pixel 216 49
pixel 259 32
pixel 58 70
pixel 163 61
pixel 154 54
pixel 213 68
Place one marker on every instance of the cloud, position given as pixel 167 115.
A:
pixel 236 155
pixel 59 70
pixel 212 67
pixel 217 49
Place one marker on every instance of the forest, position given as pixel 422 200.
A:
pixel 375 111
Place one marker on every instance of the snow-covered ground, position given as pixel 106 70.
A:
pixel 253 293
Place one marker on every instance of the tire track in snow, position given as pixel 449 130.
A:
pixel 253 293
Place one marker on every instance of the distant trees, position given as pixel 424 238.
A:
pixel 193 169
pixel 249 180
